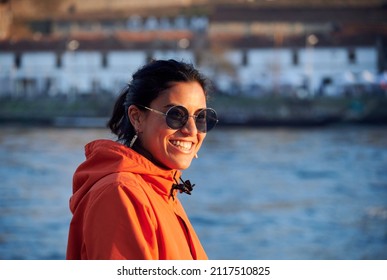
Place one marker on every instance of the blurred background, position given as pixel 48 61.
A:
pixel 297 167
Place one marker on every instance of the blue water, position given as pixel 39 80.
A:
pixel 260 193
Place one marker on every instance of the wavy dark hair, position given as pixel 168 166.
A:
pixel 147 84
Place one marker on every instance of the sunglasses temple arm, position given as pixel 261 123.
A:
pixel 153 110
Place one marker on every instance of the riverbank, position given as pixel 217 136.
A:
pixel 94 110
pixel 75 111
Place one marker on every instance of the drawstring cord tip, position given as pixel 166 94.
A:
pixel 184 186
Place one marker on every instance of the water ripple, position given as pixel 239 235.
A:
pixel 260 193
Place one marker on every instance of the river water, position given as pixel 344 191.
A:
pixel 262 193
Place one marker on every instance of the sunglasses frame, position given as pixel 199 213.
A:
pixel 187 114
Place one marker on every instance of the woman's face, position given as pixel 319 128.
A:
pixel 173 148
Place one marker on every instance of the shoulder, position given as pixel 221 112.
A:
pixel 120 197
pixel 123 187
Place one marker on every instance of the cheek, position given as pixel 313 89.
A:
pixel 200 140
pixel 155 137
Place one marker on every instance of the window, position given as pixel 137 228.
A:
pixel 295 58
pixel 245 59
pixel 104 60
pixel 58 60
pixel 18 60
pixel 351 56
pixel 149 56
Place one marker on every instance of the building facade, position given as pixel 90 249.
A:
pixel 244 50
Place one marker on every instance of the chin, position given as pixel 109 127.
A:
pixel 181 165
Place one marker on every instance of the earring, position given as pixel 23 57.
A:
pixel 133 140
pixel 196 156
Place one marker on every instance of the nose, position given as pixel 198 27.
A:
pixel 190 127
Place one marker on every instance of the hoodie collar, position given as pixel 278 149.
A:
pixel 104 157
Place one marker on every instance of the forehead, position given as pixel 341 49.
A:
pixel 183 93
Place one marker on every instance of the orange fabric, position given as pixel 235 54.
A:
pixel 122 209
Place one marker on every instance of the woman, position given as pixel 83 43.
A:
pixel 124 202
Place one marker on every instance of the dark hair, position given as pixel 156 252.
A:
pixel 146 85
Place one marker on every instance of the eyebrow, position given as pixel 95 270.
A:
pixel 168 106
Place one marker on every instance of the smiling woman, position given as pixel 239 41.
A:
pixel 124 202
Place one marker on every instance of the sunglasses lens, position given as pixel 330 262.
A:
pixel 206 120
pixel 177 117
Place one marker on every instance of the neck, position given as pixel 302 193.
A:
pixel 145 153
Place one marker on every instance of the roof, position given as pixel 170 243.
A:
pixel 375 15
pixel 101 42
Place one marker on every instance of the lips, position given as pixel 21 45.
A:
pixel 182 145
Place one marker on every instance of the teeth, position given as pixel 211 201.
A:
pixel 182 145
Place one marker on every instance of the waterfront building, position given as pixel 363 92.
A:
pixel 288 50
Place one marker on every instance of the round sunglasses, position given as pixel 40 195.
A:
pixel 177 117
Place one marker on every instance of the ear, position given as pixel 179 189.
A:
pixel 136 117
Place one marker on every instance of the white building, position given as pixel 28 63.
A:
pixel 242 51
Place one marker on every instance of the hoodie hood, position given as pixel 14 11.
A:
pixel 105 157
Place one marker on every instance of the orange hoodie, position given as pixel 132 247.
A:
pixel 122 209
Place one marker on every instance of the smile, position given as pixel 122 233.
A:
pixel 182 145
